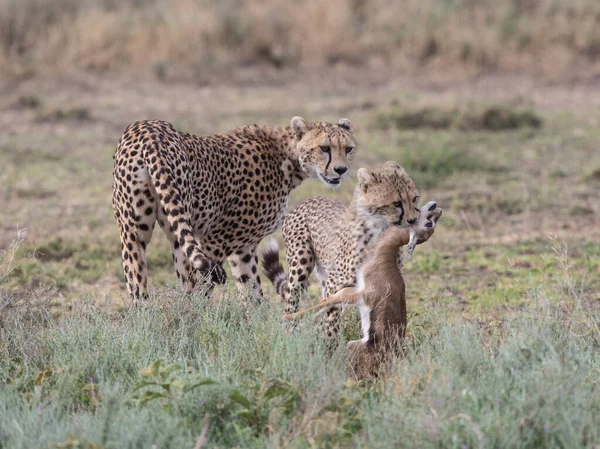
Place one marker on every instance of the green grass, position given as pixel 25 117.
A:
pixel 91 379
pixel 504 372
pixel 64 263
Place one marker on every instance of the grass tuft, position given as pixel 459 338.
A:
pixel 492 118
pixel 60 115
pixel 498 118
pixel 594 175
pixel 28 102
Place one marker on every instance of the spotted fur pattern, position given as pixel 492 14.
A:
pixel 216 197
pixel 324 237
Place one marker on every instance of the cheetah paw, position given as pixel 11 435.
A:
pixel 211 269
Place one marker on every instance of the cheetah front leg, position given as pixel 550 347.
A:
pixel 244 268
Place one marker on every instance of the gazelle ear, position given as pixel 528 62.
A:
pixel 346 124
pixel 299 127
pixel 364 176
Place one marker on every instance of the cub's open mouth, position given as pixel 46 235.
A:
pixel 333 182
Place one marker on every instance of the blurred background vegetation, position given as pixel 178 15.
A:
pixel 188 38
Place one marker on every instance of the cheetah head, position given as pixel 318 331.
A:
pixel 386 196
pixel 324 149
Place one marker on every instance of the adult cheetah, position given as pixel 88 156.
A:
pixel 325 236
pixel 216 197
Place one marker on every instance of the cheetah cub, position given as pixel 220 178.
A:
pixel 380 296
pixel 324 236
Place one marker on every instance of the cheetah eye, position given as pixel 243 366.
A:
pixel 325 148
pixel 416 199
pixel 349 150
pixel 398 204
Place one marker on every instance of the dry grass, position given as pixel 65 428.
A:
pixel 175 38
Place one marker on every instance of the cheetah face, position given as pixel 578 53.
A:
pixel 324 149
pixel 387 196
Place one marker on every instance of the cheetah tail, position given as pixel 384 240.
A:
pixel 273 268
pixel 174 205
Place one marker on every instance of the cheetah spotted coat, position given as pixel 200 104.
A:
pixel 216 197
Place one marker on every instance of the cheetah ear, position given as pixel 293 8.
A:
pixel 299 126
pixel 365 177
pixel 346 124
pixel 394 165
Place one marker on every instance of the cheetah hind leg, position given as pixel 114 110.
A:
pixel 133 250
